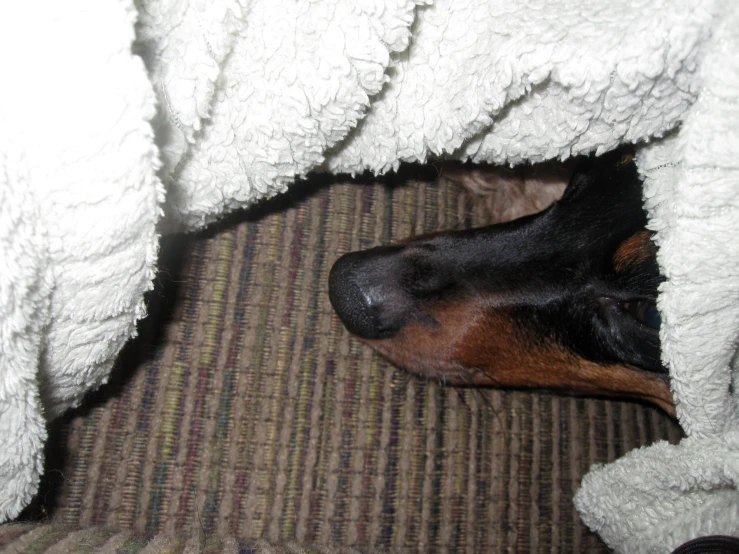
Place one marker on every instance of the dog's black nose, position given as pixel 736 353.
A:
pixel 363 289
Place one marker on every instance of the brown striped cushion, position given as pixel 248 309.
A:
pixel 244 409
pixel 63 539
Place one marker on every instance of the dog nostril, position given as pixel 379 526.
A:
pixel 362 298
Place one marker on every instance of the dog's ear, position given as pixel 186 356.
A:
pixel 599 172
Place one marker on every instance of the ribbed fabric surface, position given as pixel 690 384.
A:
pixel 63 539
pixel 244 409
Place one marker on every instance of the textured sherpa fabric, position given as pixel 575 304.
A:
pixel 79 201
pixel 252 94
pixel 511 82
pixel 302 86
pixel 296 79
pixel 657 498
pixel 24 298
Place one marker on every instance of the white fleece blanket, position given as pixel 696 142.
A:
pixel 251 94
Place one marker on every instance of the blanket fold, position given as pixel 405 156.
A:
pixel 79 203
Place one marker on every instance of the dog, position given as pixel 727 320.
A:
pixel 562 299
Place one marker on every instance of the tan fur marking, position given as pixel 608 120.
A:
pixel 626 159
pixel 635 249
pixel 477 344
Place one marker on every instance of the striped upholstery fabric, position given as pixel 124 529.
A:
pixel 63 539
pixel 245 410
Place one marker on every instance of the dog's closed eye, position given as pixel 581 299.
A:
pixel 644 311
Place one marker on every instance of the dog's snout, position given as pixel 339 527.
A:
pixel 364 292
pixel 349 299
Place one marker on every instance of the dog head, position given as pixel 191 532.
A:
pixel 560 299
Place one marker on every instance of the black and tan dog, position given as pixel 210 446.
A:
pixel 563 299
